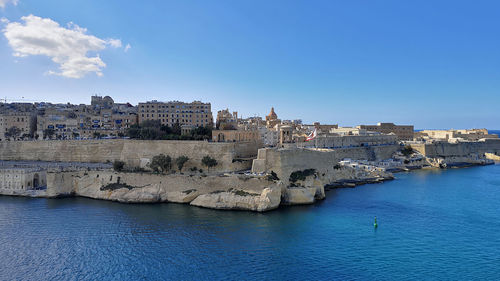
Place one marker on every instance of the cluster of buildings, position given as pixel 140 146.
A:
pixel 105 118
pixel 102 118
pixel 272 132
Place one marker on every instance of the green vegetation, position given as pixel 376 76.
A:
pixel 242 192
pixel 180 161
pixel 273 177
pixel 48 133
pixel 154 130
pixel 301 175
pixel 209 162
pixel 13 132
pixel 161 163
pixel 115 186
pixel 407 150
pixel 118 165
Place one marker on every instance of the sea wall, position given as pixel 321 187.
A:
pixel 283 162
pixel 135 153
pixel 445 149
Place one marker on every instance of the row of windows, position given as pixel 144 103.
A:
pixel 171 106
pixel 22 129
pixel 182 115
pixel 18 119
pixel 178 111
pixel 181 120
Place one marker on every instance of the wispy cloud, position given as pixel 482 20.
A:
pixel 68 47
pixel 127 48
pixel 3 3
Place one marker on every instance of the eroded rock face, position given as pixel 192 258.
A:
pixel 299 195
pixel 184 196
pixel 267 200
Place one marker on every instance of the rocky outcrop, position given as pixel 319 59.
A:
pixel 268 199
pixel 232 191
pixel 184 196
pixel 492 156
pixel 459 161
pixel 298 195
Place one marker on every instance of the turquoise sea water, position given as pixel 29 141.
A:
pixel 432 225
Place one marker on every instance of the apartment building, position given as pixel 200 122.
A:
pixel 169 113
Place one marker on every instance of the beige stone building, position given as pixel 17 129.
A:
pixel 468 134
pixel 22 178
pixel 24 121
pixel 404 132
pixel 226 120
pixel 235 135
pixel 195 113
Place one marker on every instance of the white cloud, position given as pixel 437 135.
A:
pixel 115 43
pixel 67 47
pixel 3 3
pixel 127 48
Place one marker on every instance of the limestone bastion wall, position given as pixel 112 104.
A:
pixel 285 161
pixel 445 149
pixel 135 153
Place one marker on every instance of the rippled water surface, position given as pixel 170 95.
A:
pixel 432 225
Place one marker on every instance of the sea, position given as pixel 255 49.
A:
pixel 432 225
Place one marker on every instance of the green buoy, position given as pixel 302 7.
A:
pixel 375 224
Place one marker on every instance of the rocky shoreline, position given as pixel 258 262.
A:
pixel 228 191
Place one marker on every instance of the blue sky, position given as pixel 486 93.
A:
pixel 434 64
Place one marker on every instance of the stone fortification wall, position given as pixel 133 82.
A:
pixel 285 161
pixel 337 142
pixel 445 149
pixel 134 153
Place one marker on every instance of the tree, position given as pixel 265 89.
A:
pixel 407 150
pixel 48 133
pixel 176 128
pixel 180 161
pixel 96 135
pixel 161 163
pixel 209 162
pixel 75 135
pixel 12 132
pixel 118 165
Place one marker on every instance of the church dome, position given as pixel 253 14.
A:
pixel 272 115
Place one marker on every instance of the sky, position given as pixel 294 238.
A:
pixel 433 64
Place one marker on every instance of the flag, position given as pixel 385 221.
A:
pixel 312 135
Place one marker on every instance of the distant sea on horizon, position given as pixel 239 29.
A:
pixel 434 224
pixel 496 132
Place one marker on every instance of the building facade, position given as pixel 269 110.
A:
pixel 22 178
pixel 25 122
pixel 404 132
pixel 196 113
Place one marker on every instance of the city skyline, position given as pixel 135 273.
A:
pixel 433 65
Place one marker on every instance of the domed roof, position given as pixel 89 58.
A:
pixel 272 114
